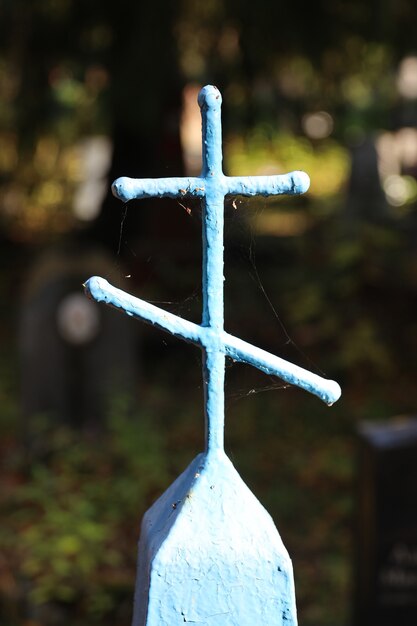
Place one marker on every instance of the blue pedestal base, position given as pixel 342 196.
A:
pixel 210 554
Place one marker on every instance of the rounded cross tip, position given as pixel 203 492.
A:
pixel 94 285
pixel 333 392
pixel 301 181
pixel 210 97
pixel 121 188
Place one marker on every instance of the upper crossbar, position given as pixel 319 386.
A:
pixel 127 189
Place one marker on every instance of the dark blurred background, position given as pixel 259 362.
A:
pixel 99 413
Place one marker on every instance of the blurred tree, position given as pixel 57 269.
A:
pixel 72 69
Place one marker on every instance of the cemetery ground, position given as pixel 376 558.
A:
pixel 71 500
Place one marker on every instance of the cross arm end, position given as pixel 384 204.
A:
pixel 122 189
pixel 294 183
pixel 126 188
pixel 94 288
pixel 327 390
pixel 210 97
pixel 100 290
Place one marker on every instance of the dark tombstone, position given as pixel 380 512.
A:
pixel 386 559
pixel 365 196
pixel 75 356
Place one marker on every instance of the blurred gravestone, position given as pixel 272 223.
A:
pixel 386 560
pixel 74 355
pixel 365 196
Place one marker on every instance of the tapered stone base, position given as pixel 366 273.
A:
pixel 210 554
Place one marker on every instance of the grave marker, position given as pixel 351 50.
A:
pixel 74 358
pixel 386 539
pixel 209 553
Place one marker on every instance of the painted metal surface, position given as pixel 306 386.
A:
pixel 209 553
pixel 203 336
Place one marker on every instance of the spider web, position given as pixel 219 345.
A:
pixel 238 214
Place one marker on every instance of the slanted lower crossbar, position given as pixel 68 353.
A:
pixel 237 349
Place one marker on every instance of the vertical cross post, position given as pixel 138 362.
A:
pixel 209 100
pixel 209 553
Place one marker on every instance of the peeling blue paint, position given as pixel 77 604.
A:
pixel 209 552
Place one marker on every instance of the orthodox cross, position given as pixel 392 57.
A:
pixel 212 187
pixel 177 599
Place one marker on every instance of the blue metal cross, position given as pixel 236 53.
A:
pixel 209 552
pixel 212 187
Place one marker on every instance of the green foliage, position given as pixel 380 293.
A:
pixel 73 521
pixel 302 470
pixel 266 151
